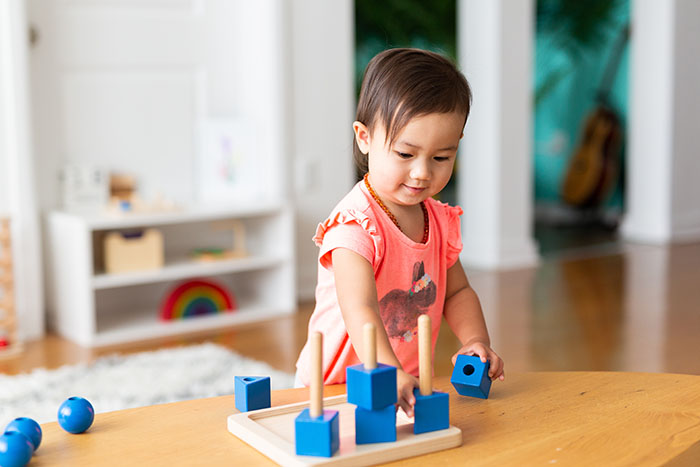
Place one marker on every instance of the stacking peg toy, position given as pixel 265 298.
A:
pixel 470 377
pixel 377 425
pixel 252 392
pixel 317 431
pixel 371 385
pixel 432 408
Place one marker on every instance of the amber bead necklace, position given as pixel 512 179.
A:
pixel 426 227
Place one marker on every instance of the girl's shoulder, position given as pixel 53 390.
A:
pixel 449 222
pixel 444 211
pixel 355 199
pixel 354 208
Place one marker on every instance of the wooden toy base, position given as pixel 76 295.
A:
pixel 271 431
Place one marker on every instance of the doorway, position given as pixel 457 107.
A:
pixel 580 116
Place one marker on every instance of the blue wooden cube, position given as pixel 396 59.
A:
pixel 375 426
pixel 431 412
pixel 252 392
pixel 317 436
pixel 371 389
pixel 470 376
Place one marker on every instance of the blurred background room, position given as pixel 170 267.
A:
pixel 164 165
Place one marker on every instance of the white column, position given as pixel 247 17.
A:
pixel 662 163
pixel 495 43
pixel 323 109
pixel 17 169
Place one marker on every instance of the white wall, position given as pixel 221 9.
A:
pixel 323 109
pixel 662 164
pixel 133 101
pixel 495 41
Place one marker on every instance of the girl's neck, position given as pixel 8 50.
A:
pixel 412 220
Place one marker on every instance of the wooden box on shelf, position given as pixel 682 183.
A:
pixel 133 251
pixel 94 307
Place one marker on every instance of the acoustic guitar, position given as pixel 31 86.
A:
pixel 593 168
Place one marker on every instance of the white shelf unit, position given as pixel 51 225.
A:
pixel 94 308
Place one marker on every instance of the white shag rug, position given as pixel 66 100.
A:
pixel 123 381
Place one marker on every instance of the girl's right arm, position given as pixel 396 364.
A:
pixel 357 297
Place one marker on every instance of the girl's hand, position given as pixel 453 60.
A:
pixel 405 383
pixel 482 350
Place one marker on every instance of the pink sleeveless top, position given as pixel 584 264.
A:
pixel 410 278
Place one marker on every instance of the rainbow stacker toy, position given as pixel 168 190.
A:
pixel 196 298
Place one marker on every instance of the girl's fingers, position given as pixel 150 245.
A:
pixel 481 352
pixel 496 366
pixel 406 406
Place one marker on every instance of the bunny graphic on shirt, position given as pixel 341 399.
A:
pixel 400 309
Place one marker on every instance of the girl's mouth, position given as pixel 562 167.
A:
pixel 415 190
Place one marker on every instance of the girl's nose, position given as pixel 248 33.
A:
pixel 420 170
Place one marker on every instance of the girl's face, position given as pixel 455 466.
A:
pixel 418 164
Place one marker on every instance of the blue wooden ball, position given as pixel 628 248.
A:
pixel 15 449
pixel 28 428
pixel 75 415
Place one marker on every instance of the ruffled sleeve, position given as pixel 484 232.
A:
pixel 351 229
pixel 454 233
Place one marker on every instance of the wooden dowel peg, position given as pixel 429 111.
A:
pixel 370 338
pixel 316 387
pixel 425 355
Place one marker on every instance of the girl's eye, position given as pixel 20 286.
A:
pixel 442 158
pixel 404 155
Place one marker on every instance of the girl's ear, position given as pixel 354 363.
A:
pixel 361 136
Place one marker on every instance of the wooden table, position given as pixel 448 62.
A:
pixel 563 418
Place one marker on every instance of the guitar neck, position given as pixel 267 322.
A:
pixel 603 93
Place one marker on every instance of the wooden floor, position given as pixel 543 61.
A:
pixel 612 307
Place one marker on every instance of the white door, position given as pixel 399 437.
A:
pixel 122 85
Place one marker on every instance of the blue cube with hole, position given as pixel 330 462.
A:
pixel 252 392
pixel 317 436
pixel 371 389
pixel 375 426
pixel 431 413
pixel 470 376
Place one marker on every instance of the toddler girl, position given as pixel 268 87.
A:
pixel 389 251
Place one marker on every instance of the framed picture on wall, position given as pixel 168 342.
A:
pixel 227 168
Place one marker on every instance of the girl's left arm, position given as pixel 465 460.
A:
pixel 463 314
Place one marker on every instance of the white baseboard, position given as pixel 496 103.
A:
pixel 512 255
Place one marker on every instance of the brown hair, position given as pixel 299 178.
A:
pixel 400 84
